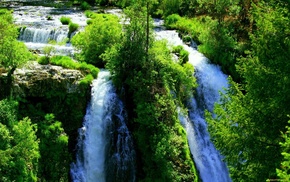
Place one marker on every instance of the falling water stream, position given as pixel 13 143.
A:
pixel 105 147
pixel 210 81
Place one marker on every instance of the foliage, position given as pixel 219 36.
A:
pixel 65 20
pixel 19 146
pixel 53 147
pixel 12 52
pixel 283 173
pixel 87 80
pixel 72 27
pixel 98 37
pixel 249 119
pixel 153 87
pixel 68 62
pixel 181 53
pixel 85 6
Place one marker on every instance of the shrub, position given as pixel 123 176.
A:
pixel 171 20
pixel 183 56
pixel 43 60
pixel 177 49
pixel 89 21
pixel 89 14
pixel 65 20
pixel 85 6
pixel 86 80
pixel 72 27
pixel 49 18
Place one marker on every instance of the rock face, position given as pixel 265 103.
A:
pixel 43 89
pixel 35 80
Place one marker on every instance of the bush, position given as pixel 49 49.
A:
pixel 86 80
pixel 89 14
pixel 43 60
pixel 65 20
pixel 85 6
pixel 183 56
pixel 171 20
pixel 72 27
pixel 89 21
pixel 49 18
pixel 177 49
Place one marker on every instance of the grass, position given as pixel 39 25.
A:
pixel 69 63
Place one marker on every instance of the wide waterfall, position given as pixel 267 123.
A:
pixel 105 148
pixel 210 81
pixel 31 34
pixel 41 26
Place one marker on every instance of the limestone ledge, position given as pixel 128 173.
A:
pixel 35 80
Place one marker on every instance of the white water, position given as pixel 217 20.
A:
pixel 210 81
pixel 31 34
pixel 105 148
pixel 37 30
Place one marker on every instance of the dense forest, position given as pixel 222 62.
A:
pixel 249 40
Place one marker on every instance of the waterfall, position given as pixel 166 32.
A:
pixel 210 81
pixel 40 24
pixel 42 35
pixel 105 147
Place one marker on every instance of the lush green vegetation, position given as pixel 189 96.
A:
pixel 97 38
pixel 149 86
pixel 34 145
pixel 12 52
pixel 249 39
pixel 249 121
pixel 68 62
pixel 65 20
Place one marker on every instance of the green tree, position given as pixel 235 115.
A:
pixel 148 87
pixel 12 52
pixel 218 9
pixel 54 162
pixel 249 120
pixel 98 37
pixel 284 172
pixel 19 146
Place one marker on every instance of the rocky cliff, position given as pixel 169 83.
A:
pixel 42 89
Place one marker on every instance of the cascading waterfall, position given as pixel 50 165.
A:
pixel 105 148
pixel 42 24
pixel 210 81
pixel 42 35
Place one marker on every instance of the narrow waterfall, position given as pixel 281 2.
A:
pixel 211 81
pixel 105 148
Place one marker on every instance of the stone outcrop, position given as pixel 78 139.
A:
pixel 35 80
pixel 42 89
